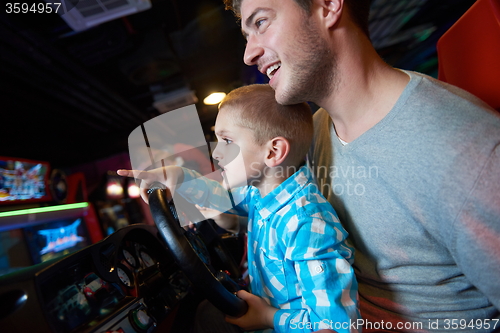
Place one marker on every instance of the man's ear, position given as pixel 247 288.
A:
pixel 330 11
pixel 278 150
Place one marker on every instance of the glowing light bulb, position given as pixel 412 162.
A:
pixel 133 191
pixel 214 98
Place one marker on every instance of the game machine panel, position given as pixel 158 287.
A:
pixel 64 277
pixel 36 221
pixel 125 283
pixel 136 280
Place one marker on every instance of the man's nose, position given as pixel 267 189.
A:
pixel 253 51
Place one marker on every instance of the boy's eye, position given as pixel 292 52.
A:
pixel 228 141
pixel 259 22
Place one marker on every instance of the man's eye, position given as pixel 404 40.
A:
pixel 228 141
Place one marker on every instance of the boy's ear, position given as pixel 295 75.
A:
pixel 278 150
pixel 329 11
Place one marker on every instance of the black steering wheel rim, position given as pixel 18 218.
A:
pixel 186 257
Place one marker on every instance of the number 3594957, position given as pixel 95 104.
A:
pixel 23 8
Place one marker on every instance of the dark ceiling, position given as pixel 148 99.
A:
pixel 71 98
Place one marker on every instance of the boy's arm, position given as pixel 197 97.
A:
pixel 327 283
pixel 211 194
pixel 259 315
pixel 169 176
pixel 231 222
pixel 191 185
pixel 321 259
pixel 196 189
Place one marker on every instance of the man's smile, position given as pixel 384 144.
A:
pixel 271 70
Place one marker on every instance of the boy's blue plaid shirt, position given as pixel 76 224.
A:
pixel 298 258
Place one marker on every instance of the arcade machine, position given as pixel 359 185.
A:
pixel 43 214
pixel 118 203
pixel 140 279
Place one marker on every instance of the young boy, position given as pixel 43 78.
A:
pixel 298 257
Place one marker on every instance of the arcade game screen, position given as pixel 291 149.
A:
pixel 56 238
pixel 23 180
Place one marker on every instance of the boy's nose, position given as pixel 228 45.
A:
pixel 216 152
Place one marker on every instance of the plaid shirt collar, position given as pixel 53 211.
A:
pixel 281 195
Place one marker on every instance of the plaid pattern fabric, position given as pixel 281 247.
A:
pixel 298 256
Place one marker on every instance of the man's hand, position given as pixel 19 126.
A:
pixel 260 315
pixel 169 176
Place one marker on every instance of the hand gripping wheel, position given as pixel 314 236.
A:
pixel 191 256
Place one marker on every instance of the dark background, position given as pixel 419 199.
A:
pixel 71 98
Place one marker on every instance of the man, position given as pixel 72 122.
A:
pixel 410 164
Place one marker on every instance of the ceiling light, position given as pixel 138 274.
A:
pixel 214 98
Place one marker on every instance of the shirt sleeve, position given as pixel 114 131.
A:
pixel 476 245
pixel 321 258
pixel 205 192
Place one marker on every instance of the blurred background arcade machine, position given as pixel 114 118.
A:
pixel 116 199
pixel 118 203
pixel 44 214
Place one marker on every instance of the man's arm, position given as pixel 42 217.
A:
pixel 476 245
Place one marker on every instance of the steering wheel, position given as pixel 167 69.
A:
pixel 191 254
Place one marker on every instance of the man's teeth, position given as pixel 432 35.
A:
pixel 272 69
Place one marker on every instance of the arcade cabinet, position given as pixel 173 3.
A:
pixel 128 282
pixel 58 274
pixel 118 203
pixel 43 214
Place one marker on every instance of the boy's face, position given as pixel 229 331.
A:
pixel 239 157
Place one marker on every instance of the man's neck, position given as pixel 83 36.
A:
pixel 367 89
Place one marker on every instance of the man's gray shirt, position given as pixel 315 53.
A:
pixel 419 194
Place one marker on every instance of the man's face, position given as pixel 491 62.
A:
pixel 284 42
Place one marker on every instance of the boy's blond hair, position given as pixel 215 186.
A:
pixel 255 107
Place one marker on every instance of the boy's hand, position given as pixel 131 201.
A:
pixel 260 315
pixel 226 221
pixel 170 176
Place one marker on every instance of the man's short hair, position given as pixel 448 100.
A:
pixel 255 107
pixel 359 10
